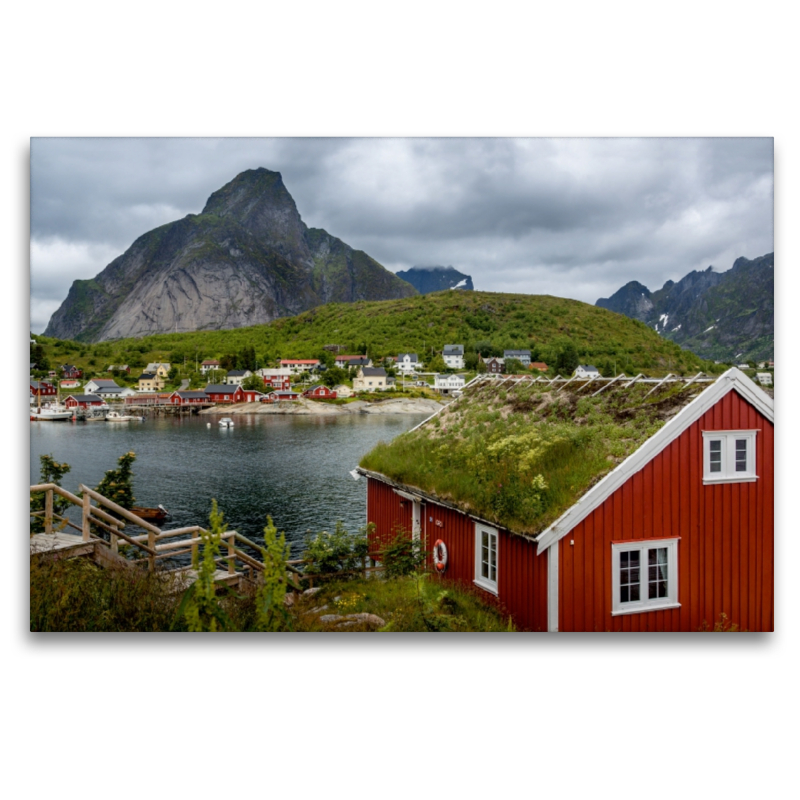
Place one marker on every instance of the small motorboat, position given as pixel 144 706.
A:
pixel 226 422
pixel 115 416
pixel 151 514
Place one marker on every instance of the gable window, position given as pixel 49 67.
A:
pixel 486 557
pixel 729 456
pixel 644 575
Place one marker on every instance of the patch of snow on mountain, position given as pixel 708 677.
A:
pixel 708 329
pixel 460 285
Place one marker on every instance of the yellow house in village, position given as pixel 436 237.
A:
pixel 157 368
pixel 151 382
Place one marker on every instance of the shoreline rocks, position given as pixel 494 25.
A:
pixel 303 406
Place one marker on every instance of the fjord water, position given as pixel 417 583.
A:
pixel 295 468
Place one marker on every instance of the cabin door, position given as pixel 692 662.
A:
pixel 416 520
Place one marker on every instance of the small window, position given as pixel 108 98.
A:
pixel 486 558
pixel 729 456
pixel 644 576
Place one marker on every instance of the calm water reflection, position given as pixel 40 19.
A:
pixel 294 468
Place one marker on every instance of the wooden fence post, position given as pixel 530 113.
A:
pixel 87 507
pixel 151 543
pixel 48 511
pixel 231 556
pixel 114 541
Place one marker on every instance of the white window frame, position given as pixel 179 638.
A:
pixel 486 582
pixel 644 603
pixel 729 473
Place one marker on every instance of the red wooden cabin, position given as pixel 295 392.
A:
pixel 319 392
pixel 252 395
pixel 84 401
pixel 188 398
pixel 678 534
pixel 277 382
pixel 279 396
pixel 43 389
pixel 221 393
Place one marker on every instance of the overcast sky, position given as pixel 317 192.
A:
pixel 574 218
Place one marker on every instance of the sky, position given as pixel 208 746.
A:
pixel 571 217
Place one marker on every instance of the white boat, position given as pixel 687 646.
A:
pixel 226 422
pixel 50 412
pixel 115 416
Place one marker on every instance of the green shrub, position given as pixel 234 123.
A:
pixel 51 471
pixel 402 556
pixel 328 553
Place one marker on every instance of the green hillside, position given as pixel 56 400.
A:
pixel 423 324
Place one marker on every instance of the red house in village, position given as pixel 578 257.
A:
pixel 319 392
pixel 221 393
pixel 84 401
pixel 188 398
pixel 279 396
pixel 680 532
pixel 43 389
pixel 277 382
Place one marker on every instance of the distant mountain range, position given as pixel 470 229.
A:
pixel 247 259
pixel 725 316
pixel 436 279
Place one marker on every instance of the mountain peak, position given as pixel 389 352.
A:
pixel 436 279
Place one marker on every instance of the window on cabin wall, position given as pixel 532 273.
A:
pixel 729 456
pixel 644 576
pixel 486 557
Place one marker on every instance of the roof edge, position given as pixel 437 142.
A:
pixel 731 380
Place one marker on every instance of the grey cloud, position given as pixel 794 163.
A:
pixel 571 217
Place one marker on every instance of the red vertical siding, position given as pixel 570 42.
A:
pixel 726 548
pixel 521 574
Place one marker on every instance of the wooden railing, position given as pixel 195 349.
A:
pixel 152 544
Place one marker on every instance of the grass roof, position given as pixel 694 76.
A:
pixel 521 454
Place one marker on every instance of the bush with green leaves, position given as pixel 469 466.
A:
pixel 340 551
pixel 402 556
pixel 117 484
pixel 271 612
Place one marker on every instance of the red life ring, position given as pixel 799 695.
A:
pixel 440 555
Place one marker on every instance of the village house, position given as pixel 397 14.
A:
pixel 764 378
pixel 208 365
pixel 224 393
pixel 70 371
pixel 92 386
pixel 523 356
pixel 160 368
pixel 150 382
pixel 342 390
pixel 119 368
pixel 665 529
pixel 495 365
pixel 85 401
pixel 539 365
pixel 299 365
pixel 237 376
pixel 447 384
pixel 453 355
pixel 408 363
pixel 188 398
pixel 346 362
pixel 370 379
pixel 319 392
pixel 586 371
pixel 70 383
pixel 282 382
pixel 280 396
pixel 43 389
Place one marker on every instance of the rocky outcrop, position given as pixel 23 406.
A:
pixel 436 279
pixel 247 259
pixel 724 316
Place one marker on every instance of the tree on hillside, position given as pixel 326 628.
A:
pixel 436 364
pixel 471 360
pixel 567 360
pixel 514 367
pixel 229 361
pixel 334 376
pixel 327 358
pixel 253 382
pixel 247 358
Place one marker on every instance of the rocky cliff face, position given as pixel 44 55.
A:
pixel 247 259
pixel 436 279
pixel 723 316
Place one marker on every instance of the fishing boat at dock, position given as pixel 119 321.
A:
pixel 51 412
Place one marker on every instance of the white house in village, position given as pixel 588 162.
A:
pixel 408 363
pixel 453 355
pixel 236 376
pixel 586 371
pixel 370 379
pixel 523 356
pixel 209 365
pixel 298 365
pixel 764 378
pixel 448 383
